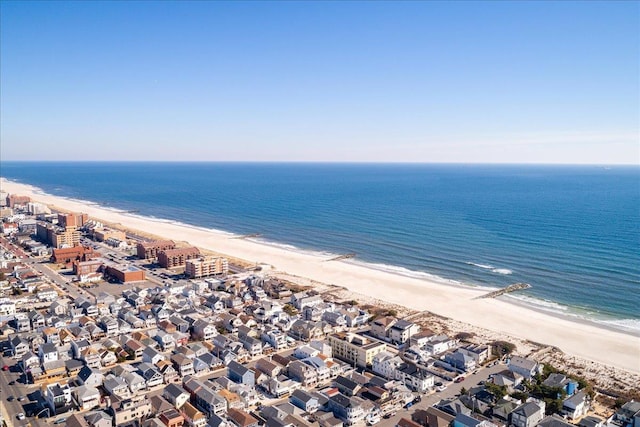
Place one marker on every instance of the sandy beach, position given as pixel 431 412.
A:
pixel 582 339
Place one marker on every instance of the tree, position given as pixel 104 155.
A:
pixel 554 406
pixel 520 395
pixel 499 391
pixel 502 348
pixel 463 336
pixel 290 310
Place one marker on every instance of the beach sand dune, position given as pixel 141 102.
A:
pixel 583 339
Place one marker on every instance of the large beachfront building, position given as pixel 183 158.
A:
pixel 150 250
pixel 355 349
pixel 14 200
pixel 72 220
pixel 56 236
pixel 206 266
pixel 171 258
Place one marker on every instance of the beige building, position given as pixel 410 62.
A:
pixel 354 348
pixel 206 266
pixel 107 233
pixel 125 411
pixel 65 239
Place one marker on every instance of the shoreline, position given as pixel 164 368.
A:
pixel 576 336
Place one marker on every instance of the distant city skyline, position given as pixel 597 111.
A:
pixel 455 82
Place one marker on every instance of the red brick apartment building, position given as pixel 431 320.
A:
pixel 76 253
pixel 72 220
pixel 14 200
pixel 177 257
pixel 150 250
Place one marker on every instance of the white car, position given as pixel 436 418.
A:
pixel 20 416
pixel 441 388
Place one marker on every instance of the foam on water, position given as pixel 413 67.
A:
pixel 485 266
pixel 423 221
pixel 402 271
pixel 503 271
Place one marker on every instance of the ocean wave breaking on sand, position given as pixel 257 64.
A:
pixel 552 307
pixel 628 325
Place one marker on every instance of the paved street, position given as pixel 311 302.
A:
pixel 16 390
pixel 452 390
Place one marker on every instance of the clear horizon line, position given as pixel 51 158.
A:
pixel 328 162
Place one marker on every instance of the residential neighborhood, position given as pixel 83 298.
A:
pixel 97 333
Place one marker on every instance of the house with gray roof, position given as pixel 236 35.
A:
pixel 151 374
pixel 98 419
pixel 528 368
pixel 90 377
pixel 402 331
pixel 461 361
pixel 554 421
pixel 176 395
pixel 575 406
pixel 304 400
pixel 240 374
pixel 88 397
pixel 116 386
pixel 348 409
pixel 528 414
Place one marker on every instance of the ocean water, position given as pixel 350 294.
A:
pixel 572 232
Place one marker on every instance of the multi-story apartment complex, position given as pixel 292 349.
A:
pixel 72 220
pixel 65 239
pixel 15 200
pixel 57 237
pixel 150 250
pixel 206 266
pixel 354 348
pixel 171 258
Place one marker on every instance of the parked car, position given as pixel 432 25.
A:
pixel 5 368
pixel 20 416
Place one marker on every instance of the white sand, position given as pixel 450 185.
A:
pixel 580 339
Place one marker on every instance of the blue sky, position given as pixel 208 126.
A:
pixel 504 82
